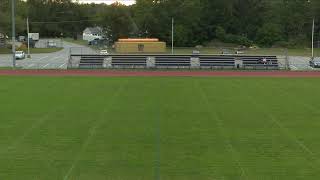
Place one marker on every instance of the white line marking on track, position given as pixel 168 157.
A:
pixel 55 58
pixel 46 65
pixel 42 58
pixel 293 67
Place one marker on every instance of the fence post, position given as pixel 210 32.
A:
pixel 151 62
pixel 286 59
pixel 107 62
pixel 195 62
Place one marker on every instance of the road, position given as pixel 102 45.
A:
pixel 298 63
pixel 59 60
pixel 56 60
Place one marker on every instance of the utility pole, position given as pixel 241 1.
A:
pixel 312 51
pixel 312 38
pixel 13 21
pixel 172 33
pixel 28 37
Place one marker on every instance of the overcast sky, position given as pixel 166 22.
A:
pixel 127 2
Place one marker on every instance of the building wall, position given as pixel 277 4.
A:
pixel 91 37
pixel 140 47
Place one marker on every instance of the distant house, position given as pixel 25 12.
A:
pixel 92 33
pixel 2 40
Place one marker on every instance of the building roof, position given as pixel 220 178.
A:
pixel 93 30
pixel 139 40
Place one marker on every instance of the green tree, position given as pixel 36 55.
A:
pixel 268 34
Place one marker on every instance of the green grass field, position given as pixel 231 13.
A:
pixel 179 128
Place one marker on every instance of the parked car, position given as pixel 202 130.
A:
pixel 93 42
pixel 104 52
pixel 20 55
pixel 315 63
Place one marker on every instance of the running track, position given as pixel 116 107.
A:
pixel 111 73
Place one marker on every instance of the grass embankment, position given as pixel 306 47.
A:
pixel 260 51
pixel 218 50
pixel 79 41
pixel 183 128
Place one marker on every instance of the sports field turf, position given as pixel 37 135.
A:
pixel 87 128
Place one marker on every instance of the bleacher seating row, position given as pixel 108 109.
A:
pixel 118 61
pixel 91 61
pixel 172 61
pixel 216 61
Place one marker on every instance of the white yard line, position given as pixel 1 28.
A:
pixel 285 130
pixel 222 132
pixel 92 132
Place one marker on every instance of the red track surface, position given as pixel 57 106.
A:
pixel 110 73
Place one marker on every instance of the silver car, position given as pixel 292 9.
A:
pixel 20 55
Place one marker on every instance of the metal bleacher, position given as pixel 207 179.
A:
pixel 216 61
pixel 91 61
pixel 255 62
pixel 172 61
pixel 129 61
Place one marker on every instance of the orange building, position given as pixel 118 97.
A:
pixel 149 45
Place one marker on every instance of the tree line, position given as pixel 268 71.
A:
pixel 266 23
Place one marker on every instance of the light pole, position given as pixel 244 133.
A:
pixel 28 40
pixel 172 33
pixel 312 36
pixel 13 33
pixel 312 51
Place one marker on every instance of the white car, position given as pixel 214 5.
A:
pixel 315 63
pixel 104 52
pixel 20 55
